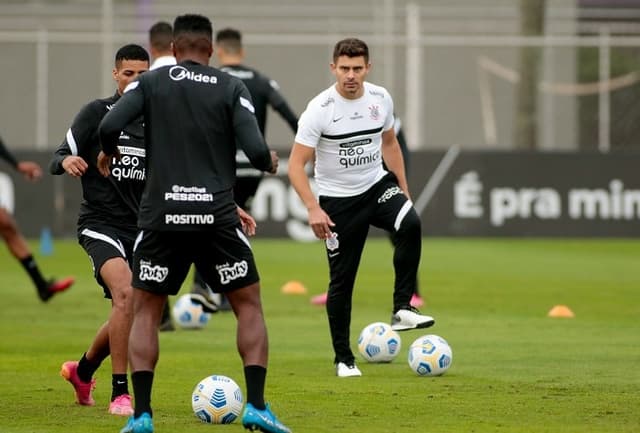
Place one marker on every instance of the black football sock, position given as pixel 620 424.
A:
pixel 255 376
pixel 86 368
pixel 29 264
pixel 142 382
pixel 119 385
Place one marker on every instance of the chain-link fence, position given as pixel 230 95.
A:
pixel 452 67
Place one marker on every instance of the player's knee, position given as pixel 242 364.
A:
pixel 122 296
pixel 410 225
pixel 7 224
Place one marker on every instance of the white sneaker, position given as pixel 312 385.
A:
pixel 344 370
pixel 208 306
pixel 410 318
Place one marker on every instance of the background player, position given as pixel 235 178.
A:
pixel 16 242
pixel 107 227
pixel 264 92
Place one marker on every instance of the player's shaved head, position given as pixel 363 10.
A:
pixel 230 40
pixel 192 32
pixel 161 36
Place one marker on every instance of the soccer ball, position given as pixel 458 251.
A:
pixel 379 343
pixel 189 314
pixel 430 355
pixel 217 400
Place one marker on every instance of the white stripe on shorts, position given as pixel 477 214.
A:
pixel 403 212
pixel 138 239
pixel 243 237
pixel 102 237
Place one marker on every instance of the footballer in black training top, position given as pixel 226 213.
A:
pixel 191 150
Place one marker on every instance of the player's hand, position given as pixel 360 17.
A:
pixel 104 162
pixel 30 170
pixel 274 162
pixel 247 221
pixel 74 166
pixel 320 223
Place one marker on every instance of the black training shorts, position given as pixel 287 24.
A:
pixel 223 257
pixel 104 242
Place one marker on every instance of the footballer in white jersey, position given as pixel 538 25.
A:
pixel 347 137
pixel 348 130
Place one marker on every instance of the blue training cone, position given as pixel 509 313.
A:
pixel 46 242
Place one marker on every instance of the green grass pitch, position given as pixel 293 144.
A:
pixel 514 369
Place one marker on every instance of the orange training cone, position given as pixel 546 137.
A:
pixel 561 311
pixel 294 288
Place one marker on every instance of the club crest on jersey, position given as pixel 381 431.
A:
pixel 374 112
pixel 332 242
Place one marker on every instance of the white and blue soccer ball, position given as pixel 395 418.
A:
pixel 217 400
pixel 189 314
pixel 430 355
pixel 379 343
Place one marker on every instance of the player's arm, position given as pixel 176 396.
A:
pixel 128 108
pixel 299 157
pixel 29 169
pixel 319 221
pixel 277 101
pixel 392 156
pixel 404 147
pixel 302 153
pixel 247 222
pixel 247 132
pixel 68 158
pixel 7 155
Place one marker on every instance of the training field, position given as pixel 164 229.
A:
pixel 514 369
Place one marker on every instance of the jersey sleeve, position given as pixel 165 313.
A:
pixel 128 108
pixel 245 125
pixel 280 105
pixel 7 156
pixel 78 139
pixel 309 128
pixel 390 120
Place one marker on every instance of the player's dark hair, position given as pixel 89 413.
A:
pixel 192 32
pixel 131 52
pixel 192 23
pixel 161 36
pixel 229 39
pixel 351 47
